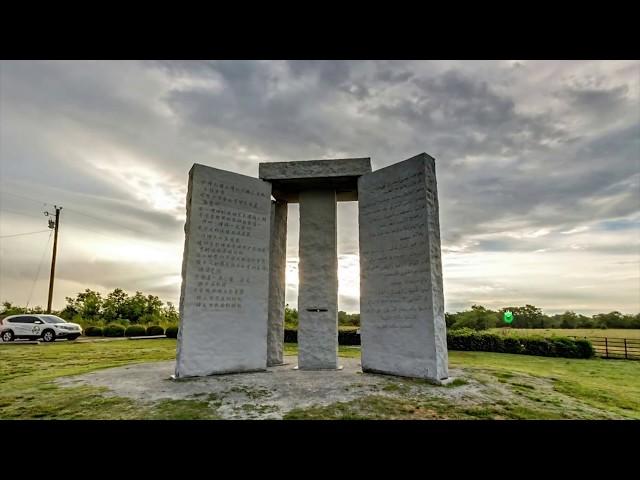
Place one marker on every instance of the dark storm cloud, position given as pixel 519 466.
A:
pixel 388 75
pixel 461 115
pixel 591 99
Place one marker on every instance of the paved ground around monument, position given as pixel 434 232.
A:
pixel 283 392
pixel 270 394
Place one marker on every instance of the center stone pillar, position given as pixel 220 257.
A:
pixel 318 281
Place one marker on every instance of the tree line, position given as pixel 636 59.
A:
pixel 91 308
pixel 529 316
pixel 482 318
pixel 344 319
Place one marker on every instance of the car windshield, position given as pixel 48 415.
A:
pixel 52 319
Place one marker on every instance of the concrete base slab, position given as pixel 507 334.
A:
pixel 433 381
pixel 221 374
pixel 150 337
pixel 443 382
pixel 27 342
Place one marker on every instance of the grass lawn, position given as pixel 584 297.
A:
pixel 523 387
pixel 578 332
pixel 533 388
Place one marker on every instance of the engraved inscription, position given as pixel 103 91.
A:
pixel 402 304
pixel 230 249
pixel 394 252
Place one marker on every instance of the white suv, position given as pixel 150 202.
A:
pixel 35 326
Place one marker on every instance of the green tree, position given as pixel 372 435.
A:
pixel 348 319
pixel 170 313
pixel 87 304
pixel 610 320
pixel 585 322
pixel 526 317
pixel 115 305
pixel 290 317
pixel 134 307
pixel 568 320
pixel 450 319
pixel 154 306
pixel 478 318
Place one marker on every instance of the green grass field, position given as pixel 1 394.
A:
pixel 538 387
pixel 578 332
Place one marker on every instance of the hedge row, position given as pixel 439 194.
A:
pixel 171 332
pixel 462 339
pixel 120 331
pixel 472 340
pixel 135 331
pixel 345 337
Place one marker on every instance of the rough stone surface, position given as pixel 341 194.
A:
pixel 225 274
pixel 401 297
pixel 291 178
pixel 277 282
pixel 345 167
pixel 318 281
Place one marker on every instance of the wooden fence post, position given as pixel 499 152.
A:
pixel 606 348
pixel 625 349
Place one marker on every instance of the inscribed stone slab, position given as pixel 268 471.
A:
pixel 403 330
pixel 225 274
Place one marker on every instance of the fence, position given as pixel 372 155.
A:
pixel 606 347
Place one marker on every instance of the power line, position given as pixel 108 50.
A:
pixel 20 234
pixel 19 213
pixel 77 212
pixel 27 198
pixel 39 267
pixel 108 220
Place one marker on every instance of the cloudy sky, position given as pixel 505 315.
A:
pixel 538 167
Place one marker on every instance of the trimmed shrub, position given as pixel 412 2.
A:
pixel 566 347
pixel 470 340
pixel 155 330
pixel 171 332
pixel 135 331
pixel 478 341
pixel 93 331
pixel 348 337
pixel 290 336
pixel 585 348
pixel 113 331
pixel 345 337
pixel 512 345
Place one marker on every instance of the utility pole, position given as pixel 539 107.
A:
pixel 56 224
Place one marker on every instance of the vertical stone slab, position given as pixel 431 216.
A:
pixel 403 330
pixel 225 274
pixel 277 283
pixel 318 281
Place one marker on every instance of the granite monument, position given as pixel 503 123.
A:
pixel 234 262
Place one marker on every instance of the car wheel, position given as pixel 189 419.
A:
pixel 48 336
pixel 7 336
